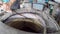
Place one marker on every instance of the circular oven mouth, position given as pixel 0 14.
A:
pixel 25 24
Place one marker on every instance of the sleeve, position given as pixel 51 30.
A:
pixel 5 1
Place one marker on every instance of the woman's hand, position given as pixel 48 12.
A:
pixel 6 7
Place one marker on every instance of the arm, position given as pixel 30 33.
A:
pixel 7 5
pixel 11 2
